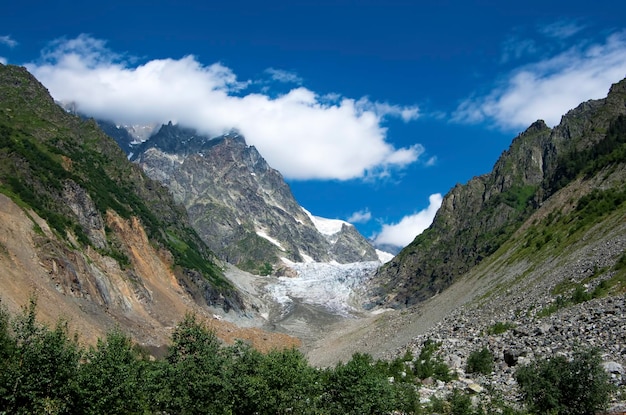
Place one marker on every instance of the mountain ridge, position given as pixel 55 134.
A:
pixel 475 219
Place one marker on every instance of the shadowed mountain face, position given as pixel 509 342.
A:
pixel 477 218
pixel 240 206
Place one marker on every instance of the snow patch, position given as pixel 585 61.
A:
pixel 381 311
pixel 269 238
pixel 307 259
pixel 287 261
pixel 383 256
pixel 326 226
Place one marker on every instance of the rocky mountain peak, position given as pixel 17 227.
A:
pixel 242 208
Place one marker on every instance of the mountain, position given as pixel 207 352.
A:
pixel 241 207
pixel 478 218
pixel 527 262
pixel 88 233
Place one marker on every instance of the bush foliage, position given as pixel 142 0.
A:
pixel 480 361
pixel 579 386
pixel 45 370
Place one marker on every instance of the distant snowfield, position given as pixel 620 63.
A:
pixel 326 226
pixel 332 286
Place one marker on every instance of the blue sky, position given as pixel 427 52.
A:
pixel 372 110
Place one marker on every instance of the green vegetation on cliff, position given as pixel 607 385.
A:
pixel 477 219
pixel 52 161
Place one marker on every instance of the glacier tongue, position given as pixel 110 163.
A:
pixel 330 285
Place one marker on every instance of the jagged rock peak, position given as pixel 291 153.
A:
pixel 537 126
pixel 236 136
pixel 183 141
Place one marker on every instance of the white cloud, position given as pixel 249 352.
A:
pixel 431 161
pixel 3 60
pixel 362 216
pixel 548 89
pixel 402 233
pixel 281 75
pixel 8 41
pixel 515 48
pixel 300 133
pixel 561 29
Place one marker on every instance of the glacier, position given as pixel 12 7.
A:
pixel 333 286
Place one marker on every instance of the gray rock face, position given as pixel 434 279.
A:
pixel 475 219
pixel 85 210
pixel 239 205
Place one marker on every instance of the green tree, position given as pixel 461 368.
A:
pixel 579 386
pixel 430 364
pixel 248 386
pixel 194 382
pixel 278 382
pixel 40 376
pixel 110 380
pixel 7 351
pixel 358 387
pixel 291 383
pixel 480 361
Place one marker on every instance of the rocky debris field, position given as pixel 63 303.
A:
pixel 527 321
pixel 511 307
pixel 596 323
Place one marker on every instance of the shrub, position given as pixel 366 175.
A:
pixel 358 387
pixel 480 361
pixel 110 378
pixel 580 295
pixel 429 364
pixel 575 387
pixel 500 327
pixel 40 372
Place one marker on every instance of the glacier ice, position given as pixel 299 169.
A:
pixel 330 285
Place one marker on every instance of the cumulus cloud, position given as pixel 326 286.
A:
pixel 281 75
pixel 549 88
pixel 300 133
pixel 8 41
pixel 402 233
pixel 362 216
pixel 3 60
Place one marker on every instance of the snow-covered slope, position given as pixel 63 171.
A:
pixel 326 226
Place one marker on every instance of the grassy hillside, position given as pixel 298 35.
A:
pixel 61 166
pixel 476 219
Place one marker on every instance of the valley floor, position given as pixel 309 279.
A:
pixel 505 305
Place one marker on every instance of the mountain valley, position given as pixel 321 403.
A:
pixel 108 231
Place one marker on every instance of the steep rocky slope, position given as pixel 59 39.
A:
pixel 553 283
pixel 557 286
pixel 88 232
pixel 475 219
pixel 240 206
